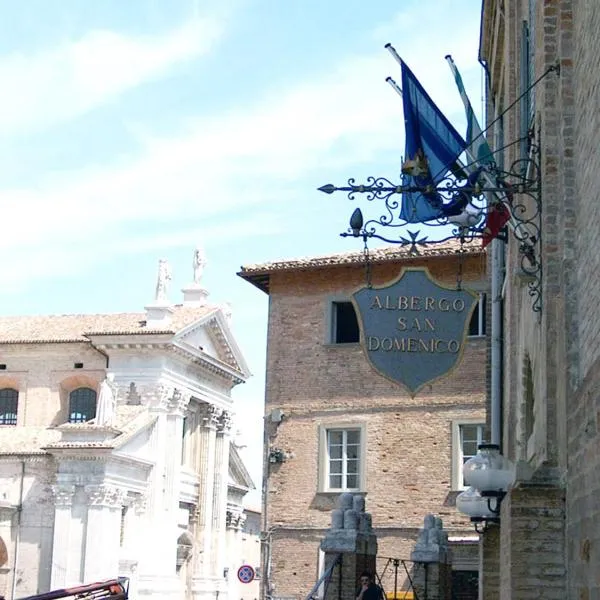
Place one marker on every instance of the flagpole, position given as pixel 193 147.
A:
pixel 394 86
pixel 393 52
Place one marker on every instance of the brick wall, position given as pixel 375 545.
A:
pixel 408 440
pixel 566 352
pixel 583 528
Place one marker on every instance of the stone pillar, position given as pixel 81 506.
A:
pixel 532 543
pixel 209 416
pixel 102 532
pixel 63 502
pixel 158 551
pixel 350 547
pixel 221 477
pixel 489 563
pixel 176 407
pixel 432 574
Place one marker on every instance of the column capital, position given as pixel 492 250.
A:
pixel 104 495
pixel 178 401
pixel 63 494
pixel 225 422
pixel 139 504
pixel 235 519
pixel 210 415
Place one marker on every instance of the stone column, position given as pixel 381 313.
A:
pixel 177 406
pixel 432 575
pixel 489 563
pixel 350 547
pixel 102 532
pixel 209 416
pixel 63 502
pixel 219 508
pixel 532 543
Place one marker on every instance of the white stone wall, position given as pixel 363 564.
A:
pixel 72 526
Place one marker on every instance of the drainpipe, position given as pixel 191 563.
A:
pixel 496 343
pixel 18 533
pixel 497 277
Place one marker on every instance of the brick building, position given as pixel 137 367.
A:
pixel 334 424
pixel 115 451
pixel 548 541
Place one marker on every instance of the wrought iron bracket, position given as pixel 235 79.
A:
pixel 518 189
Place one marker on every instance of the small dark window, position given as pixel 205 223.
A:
pixel 82 405
pixel 78 366
pixel 477 324
pixel 3 367
pixel 345 324
pixel 9 400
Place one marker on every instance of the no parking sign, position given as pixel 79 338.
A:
pixel 246 574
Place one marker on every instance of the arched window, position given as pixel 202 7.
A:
pixel 9 400
pixel 82 405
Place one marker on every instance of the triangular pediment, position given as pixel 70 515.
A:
pixel 212 337
pixel 238 473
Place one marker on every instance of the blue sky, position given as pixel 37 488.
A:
pixel 133 131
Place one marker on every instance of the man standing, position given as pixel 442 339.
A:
pixel 369 590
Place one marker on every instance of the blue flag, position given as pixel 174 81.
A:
pixel 432 149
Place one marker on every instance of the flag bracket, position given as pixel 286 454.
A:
pixel 519 187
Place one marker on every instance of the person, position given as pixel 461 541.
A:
pixel 369 590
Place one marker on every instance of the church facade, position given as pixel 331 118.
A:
pixel 116 453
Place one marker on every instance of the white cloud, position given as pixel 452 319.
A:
pixel 223 163
pixel 52 86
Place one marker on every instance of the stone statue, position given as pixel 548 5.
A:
pixel 107 402
pixel 199 264
pixel 164 276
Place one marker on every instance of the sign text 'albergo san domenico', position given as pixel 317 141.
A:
pixel 413 330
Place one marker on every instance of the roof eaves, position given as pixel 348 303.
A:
pixel 45 341
pixel 259 274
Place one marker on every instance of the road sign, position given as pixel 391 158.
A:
pixel 246 574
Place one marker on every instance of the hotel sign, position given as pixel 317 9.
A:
pixel 413 330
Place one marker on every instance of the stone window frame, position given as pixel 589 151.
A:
pixel 323 479
pixel 330 320
pixel 457 453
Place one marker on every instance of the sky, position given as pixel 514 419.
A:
pixel 136 130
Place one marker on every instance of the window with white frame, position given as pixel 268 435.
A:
pixel 477 324
pixel 466 438
pixel 342 458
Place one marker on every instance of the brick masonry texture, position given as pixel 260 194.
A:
pixel 564 344
pixel 408 440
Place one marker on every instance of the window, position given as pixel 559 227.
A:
pixel 466 438
pixel 342 458
pixel 9 400
pixel 477 324
pixel 527 77
pixel 344 324
pixel 82 405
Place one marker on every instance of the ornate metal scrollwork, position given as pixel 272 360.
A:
pixel 518 189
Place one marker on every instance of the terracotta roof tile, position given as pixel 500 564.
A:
pixel 75 328
pixel 258 273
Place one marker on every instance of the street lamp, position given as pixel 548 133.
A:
pixel 489 475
